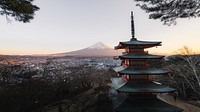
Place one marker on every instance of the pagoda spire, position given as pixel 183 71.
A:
pixel 132 27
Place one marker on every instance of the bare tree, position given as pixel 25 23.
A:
pixel 187 69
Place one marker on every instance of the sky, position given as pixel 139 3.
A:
pixel 67 25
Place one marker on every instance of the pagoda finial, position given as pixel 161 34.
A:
pixel 132 27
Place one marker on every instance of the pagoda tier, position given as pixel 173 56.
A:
pixel 134 43
pixel 139 56
pixel 146 105
pixel 139 71
pixel 121 85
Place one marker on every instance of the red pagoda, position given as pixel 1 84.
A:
pixel 137 92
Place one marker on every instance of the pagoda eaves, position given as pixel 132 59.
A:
pixel 146 105
pixel 121 85
pixel 136 43
pixel 139 56
pixel 140 71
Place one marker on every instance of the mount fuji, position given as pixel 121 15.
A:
pixel 98 49
pixel 98 45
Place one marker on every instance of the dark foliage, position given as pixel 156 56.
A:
pixel 168 11
pixel 21 10
pixel 35 94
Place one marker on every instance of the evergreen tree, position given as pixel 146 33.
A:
pixel 21 10
pixel 170 10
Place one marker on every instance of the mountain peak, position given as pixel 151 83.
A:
pixel 98 45
pixel 98 49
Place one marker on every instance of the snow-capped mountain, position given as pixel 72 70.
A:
pixel 98 45
pixel 98 49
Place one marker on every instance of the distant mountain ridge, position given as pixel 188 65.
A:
pixel 98 49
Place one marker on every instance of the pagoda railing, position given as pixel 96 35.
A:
pixel 136 52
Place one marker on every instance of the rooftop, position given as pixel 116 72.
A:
pixel 140 56
pixel 143 44
pixel 122 85
pixel 146 105
pixel 140 71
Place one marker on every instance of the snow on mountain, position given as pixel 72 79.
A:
pixel 98 45
pixel 98 49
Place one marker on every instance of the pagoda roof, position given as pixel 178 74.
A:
pixel 122 85
pixel 146 105
pixel 145 44
pixel 140 71
pixel 140 56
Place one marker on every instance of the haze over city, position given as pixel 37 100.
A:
pixel 70 25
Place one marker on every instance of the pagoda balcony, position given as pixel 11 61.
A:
pixel 135 52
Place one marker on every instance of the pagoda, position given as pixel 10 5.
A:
pixel 136 90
